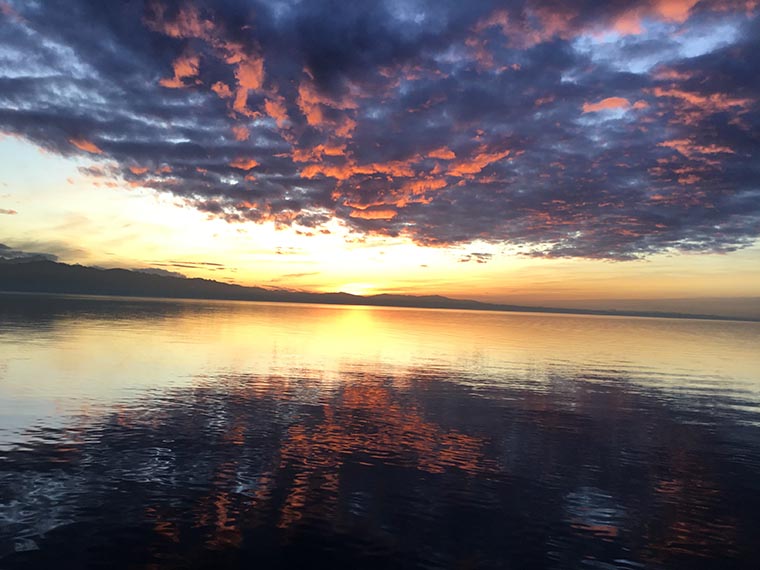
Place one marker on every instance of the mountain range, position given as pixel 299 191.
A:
pixel 50 277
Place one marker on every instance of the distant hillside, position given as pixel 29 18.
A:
pixel 44 276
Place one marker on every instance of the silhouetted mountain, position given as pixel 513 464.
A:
pixel 44 276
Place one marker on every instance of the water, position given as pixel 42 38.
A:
pixel 192 434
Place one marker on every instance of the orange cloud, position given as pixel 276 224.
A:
pixel 138 170
pixel 311 101
pixel 396 168
pixel 185 66
pixel 630 21
pixel 666 73
pixel 307 92
pixel 276 109
pixel 171 83
pixel 687 148
pixel 709 103
pixel 333 149
pixel 443 153
pixel 416 187
pixel 250 73
pixel 689 179
pixel 690 108
pixel 315 154
pixel 187 24
pixel 309 105
pixel 392 168
pixel 374 214
pixel 542 24
pixel 344 127
pixel 555 22
pixel 85 145
pixel 244 163
pixel 608 103
pixel 250 76
pixel 629 24
pixel 674 10
pixel 222 89
pixel 241 133
pixel 339 172
pixel 477 163
pixel 307 154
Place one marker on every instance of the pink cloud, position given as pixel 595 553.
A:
pixel 688 148
pixel 605 104
pixel 85 145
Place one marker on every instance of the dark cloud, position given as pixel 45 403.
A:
pixel 476 257
pixel 158 266
pixel 529 123
pixel 160 272
pixel 52 250
pixel 8 253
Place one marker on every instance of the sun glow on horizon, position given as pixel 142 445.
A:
pixel 362 289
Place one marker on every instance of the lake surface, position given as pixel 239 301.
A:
pixel 195 434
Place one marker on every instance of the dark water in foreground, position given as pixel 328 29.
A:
pixel 164 434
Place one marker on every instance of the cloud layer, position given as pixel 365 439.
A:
pixel 7 253
pixel 559 128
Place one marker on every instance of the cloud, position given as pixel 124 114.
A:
pixel 7 212
pixel 291 276
pixel 8 253
pixel 243 163
pixel 185 67
pixel 522 123
pixel 379 214
pixel 476 257
pixel 157 267
pixel 160 272
pixel 442 153
pixel 605 104
pixel 87 146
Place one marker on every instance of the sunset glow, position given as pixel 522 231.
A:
pixel 410 284
pixel 524 152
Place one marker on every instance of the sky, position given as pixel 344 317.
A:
pixel 565 153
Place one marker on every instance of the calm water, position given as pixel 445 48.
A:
pixel 165 434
